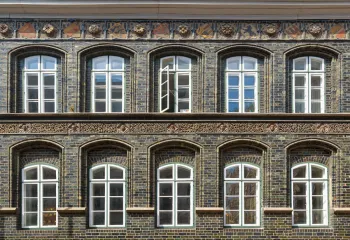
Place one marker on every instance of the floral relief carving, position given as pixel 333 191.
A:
pixel 73 127
pixel 49 29
pixel 140 30
pixel 226 30
pixel 323 128
pixel 273 127
pixel 172 128
pixel 94 29
pixel 4 28
pixel 183 30
pixel 271 29
pixel 315 29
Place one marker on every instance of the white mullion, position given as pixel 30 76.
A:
pixel 241 91
pixel 107 196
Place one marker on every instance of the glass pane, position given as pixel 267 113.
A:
pixel 233 63
pixel 249 107
pixel 168 62
pixel 32 62
pixel 32 79
pixel 99 173
pixel 165 218
pixel 315 94
pixel 299 217
pixel 183 172
pixel 117 107
pixel 300 64
pixel 116 218
pixel 100 79
pixel 49 94
pixel 98 218
pixel 49 173
pixel 115 173
pixel 233 107
pixel 249 64
pixel 117 93
pixel 165 189
pixel 49 80
pixel 183 218
pixel 299 188
pixel 232 217
pixel 33 107
pixel 31 190
pixel 31 219
pixel 233 94
pixel 249 80
pixel 100 107
pixel 232 203
pixel 249 94
pixel 49 190
pixel 98 189
pixel 116 189
pixel 317 188
pixel 316 64
pixel 49 107
pixel 232 189
pixel 299 202
pixel 100 93
pixel 165 203
pixel 183 203
pixel 317 203
pixel 183 80
pixel 98 204
pixel 250 172
pixel 32 93
pixel 184 93
pixel 249 188
pixel 100 63
pixel 183 189
pixel 49 219
pixel 299 80
pixel 317 172
pixel 299 94
pixel 317 217
pixel 116 203
pixel 31 205
pixel 183 63
pixel 316 107
pixel 49 63
pixel 249 203
pixel 233 80
pixel 166 173
pixel 184 107
pixel 249 217
pixel 49 204
pixel 316 81
pixel 117 80
pixel 116 63
pixel 232 172
pixel 31 174
pixel 300 107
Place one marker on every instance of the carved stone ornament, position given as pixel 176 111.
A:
pixel 315 29
pixel 183 30
pixel 4 28
pixel 48 29
pixel 139 30
pixel 271 29
pixel 94 29
pixel 226 30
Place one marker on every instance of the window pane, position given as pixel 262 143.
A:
pixel 98 204
pixel 49 173
pixel 49 219
pixel 100 63
pixel 98 189
pixel 115 173
pixel 99 173
pixel 299 203
pixel 250 172
pixel 117 107
pixel 31 205
pixel 32 62
pixel 317 172
pixel 117 80
pixel 232 172
pixel 33 93
pixel 315 94
pixel 316 81
pixel 49 204
pixel 49 94
pixel 233 63
pixel 317 217
pixel 100 107
pixel 232 189
pixel 183 203
pixel 249 107
pixel 168 62
pixel 49 107
pixel 249 94
pixel 184 107
pixel 315 107
pixel 317 203
pixel 31 190
pixel 116 218
pixel 249 217
pixel 299 81
pixel 100 79
pixel 31 174
pixel 183 172
pixel 32 79
pixel 100 93
pixel 98 218
pixel 183 63
pixel 249 80
pixel 49 63
pixel 183 189
pixel 317 188
pixel 249 188
pixel 249 203
pixel 31 219
pixel 183 218
pixel 299 94
pixel 299 217
pixel 300 64
pixel 165 203
pixel 117 93
pixel 232 217
pixel 233 94
pixel 233 80
pixel 116 63
pixel 49 190
pixel 249 64
pixel 165 189
pixel 33 107
pixel 300 107
pixel 116 204
pixel 49 80
pixel 116 189
pixel 316 64
pixel 184 79
pixel 299 188
pixel 165 218
pixel 166 173
pixel 233 107
pixel 184 93
pixel 232 203
pixel 299 172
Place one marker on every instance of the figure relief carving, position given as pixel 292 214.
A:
pixel 49 29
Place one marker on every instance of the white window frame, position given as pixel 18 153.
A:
pixel 309 181
pixel 241 182
pixel 174 181
pixel 40 182
pixel 241 72
pixel 308 73
pixel 106 181
pixel 40 72
pixel 176 71
pixel 108 72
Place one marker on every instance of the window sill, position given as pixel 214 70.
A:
pixel 8 210
pixel 341 210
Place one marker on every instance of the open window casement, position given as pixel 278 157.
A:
pixel 164 90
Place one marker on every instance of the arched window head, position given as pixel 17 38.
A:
pixel 107 196
pixel 40 84
pixel 108 84
pixel 39 196
pixel 175 84
pixel 241 84
pixel 309 195
pixel 175 195
pixel 308 85
pixel 241 195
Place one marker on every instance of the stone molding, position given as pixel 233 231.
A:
pixel 209 209
pixel 8 210
pixel 140 209
pixel 341 210
pixel 278 210
pixel 72 210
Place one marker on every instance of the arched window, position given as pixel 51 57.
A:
pixel 309 195
pixel 175 84
pixel 107 196
pixel 242 195
pixel 39 196
pixel 241 84
pixel 308 85
pixel 40 80
pixel 107 84
pixel 175 195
